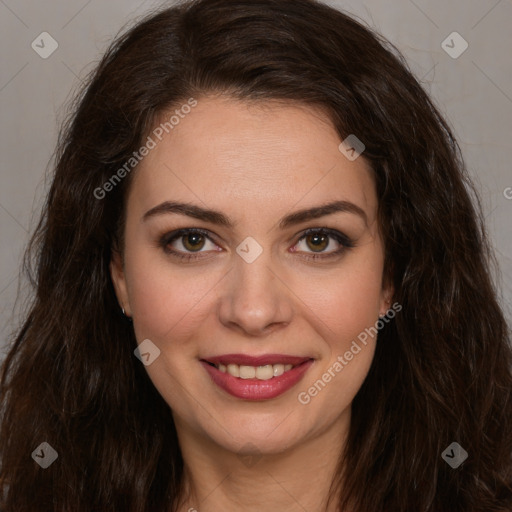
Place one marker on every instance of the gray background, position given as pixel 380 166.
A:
pixel 474 92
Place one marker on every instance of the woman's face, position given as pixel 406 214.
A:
pixel 251 285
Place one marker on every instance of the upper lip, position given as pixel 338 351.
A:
pixel 263 360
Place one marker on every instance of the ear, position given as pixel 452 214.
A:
pixel 117 274
pixel 388 290
pixel 385 304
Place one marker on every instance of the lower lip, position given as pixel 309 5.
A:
pixel 255 389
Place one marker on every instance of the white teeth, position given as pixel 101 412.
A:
pixel 265 372
pixel 255 372
pixel 233 369
pixel 278 370
pixel 247 372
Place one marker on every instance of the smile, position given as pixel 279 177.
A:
pixel 256 378
pixel 266 372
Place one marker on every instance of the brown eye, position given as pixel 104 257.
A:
pixel 317 241
pixel 193 241
pixel 188 244
pixel 185 242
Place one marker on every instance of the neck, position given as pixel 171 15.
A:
pixel 294 480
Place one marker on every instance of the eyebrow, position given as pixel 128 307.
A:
pixel 218 218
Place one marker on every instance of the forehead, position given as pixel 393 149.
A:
pixel 230 153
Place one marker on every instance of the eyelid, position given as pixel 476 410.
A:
pixel 339 236
pixel 167 238
pixel 342 239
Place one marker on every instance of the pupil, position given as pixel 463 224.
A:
pixel 193 239
pixel 318 240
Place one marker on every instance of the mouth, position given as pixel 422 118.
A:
pixel 265 372
pixel 256 378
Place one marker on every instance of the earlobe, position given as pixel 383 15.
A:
pixel 387 290
pixel 387 297
pixel 117 275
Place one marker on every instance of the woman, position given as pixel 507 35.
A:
pixel 262 283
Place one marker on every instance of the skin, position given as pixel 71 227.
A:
pixel 255 162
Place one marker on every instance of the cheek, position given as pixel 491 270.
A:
pixel 347 301
pixel 349 306
pixel 164 299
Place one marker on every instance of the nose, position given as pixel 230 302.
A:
pixel 255 299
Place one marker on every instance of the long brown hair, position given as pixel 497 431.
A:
pixel 442 370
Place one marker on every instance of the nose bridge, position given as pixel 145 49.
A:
pixel 255 296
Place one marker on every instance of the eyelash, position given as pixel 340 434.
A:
pixel 345 242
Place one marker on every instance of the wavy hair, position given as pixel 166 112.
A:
pixel 442 370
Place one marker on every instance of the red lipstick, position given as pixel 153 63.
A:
pixel 246 360
pixel 256 389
